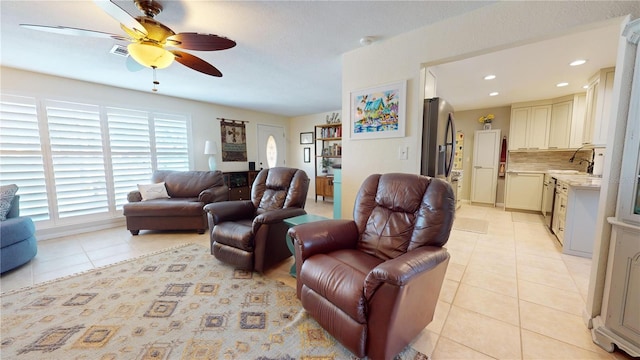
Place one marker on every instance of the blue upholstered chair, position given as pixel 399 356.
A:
pixel 17 238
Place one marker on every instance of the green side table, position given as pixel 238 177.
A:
pixel 298 220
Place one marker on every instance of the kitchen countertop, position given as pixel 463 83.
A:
pixel 580 180
pixel 571 178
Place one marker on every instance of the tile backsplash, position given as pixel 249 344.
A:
pixel 548 160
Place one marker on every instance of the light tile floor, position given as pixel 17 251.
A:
pixel 508 294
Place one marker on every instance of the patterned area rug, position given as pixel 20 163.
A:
pixel 176 304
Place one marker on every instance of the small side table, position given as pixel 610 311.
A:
pixel 298 220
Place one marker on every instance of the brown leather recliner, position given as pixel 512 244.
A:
pixel 250 234
pixel 189 192
pixel 373 282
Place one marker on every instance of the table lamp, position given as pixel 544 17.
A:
pixel 211 149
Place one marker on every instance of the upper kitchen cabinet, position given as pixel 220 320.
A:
pixel 560 128
pixel 599 96
pixel 577 120
pixel 529 127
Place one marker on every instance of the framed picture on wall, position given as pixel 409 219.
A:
pixel 306 138
pixel 307 154
pixel 379 112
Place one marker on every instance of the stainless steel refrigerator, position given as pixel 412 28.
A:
pixel 438 139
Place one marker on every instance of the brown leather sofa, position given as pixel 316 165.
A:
pixel 189 192
pixel 373 282
pixel 250 234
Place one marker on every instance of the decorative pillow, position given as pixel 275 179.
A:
pixel 7 192
pixel 153 191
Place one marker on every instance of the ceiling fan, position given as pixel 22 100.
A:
pixel 151 42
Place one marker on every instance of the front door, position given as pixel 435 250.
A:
pixel 271 146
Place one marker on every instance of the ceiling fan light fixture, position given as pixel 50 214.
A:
pixel 150 55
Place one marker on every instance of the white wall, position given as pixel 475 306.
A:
pixel 205 126
pixel 487 29
pixel 295 159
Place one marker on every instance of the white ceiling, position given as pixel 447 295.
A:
pixel 287 61
pixel 288 57
pixel 528 72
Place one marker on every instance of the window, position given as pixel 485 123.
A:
pixel 21 154
pixel 88 157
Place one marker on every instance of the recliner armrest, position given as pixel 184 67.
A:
pixel 401 270
pixel 230 210
pixel 275 216
pixel 214 194
pixel 323 237
pixel 134 196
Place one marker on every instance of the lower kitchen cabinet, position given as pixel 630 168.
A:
pixel 560 210
pixel 580 221
pixel 524 191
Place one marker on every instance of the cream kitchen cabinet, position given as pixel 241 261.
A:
pixel 560 125
pixel 577 120
pixel 580 221
pixel 524 191
pixel 529 127
pixel 560 210
pixel 598 113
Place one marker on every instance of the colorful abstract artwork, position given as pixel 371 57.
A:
pixel 379 112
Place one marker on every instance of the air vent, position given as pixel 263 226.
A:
pixel 119 50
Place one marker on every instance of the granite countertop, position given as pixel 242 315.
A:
pixel 570 177
pixel 580 180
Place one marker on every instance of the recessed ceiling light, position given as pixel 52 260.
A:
pixel 562 84
pixel 489 77
pixel 585 86
pixel 495 93
pixel 577 62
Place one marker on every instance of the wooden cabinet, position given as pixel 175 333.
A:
pixel 486 157
pixel 328 152
pixel 239 184
pixel 524 191
pixel 324 186
pixel 598 112
pixel 560 125
pixel 529 127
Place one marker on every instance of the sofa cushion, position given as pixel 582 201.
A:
pixel 339 278
pixel 185 184
pixel 164 207
pixel 235 234
pixel 153 191
pixel 7 192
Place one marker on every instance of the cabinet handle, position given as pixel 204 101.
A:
pixel 553 147
pixel 477 167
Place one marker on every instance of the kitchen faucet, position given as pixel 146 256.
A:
pixel 589 162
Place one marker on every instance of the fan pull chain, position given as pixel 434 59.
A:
pixel 155 82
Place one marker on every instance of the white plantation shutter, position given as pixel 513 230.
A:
pixel 21 160
pixel 75 136
pixel 171 142
pixel 73 160
pixel 131 157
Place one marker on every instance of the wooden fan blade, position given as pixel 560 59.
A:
pixel 202 42
pixel 120 15
pixel 196 63
pixel 74 31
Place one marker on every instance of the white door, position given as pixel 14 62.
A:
pixel 271 146
pixel 484 176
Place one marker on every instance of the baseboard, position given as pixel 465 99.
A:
pixel 74 229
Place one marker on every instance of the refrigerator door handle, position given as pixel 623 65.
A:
pixel 450 132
